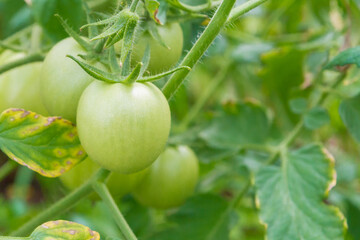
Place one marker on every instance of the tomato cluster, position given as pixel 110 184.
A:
pixel 122 126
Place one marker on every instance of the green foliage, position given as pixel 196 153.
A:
pixel 231 128
pixel 350 114
pixel 349 56
pixel 316 118
pixel 290 197
pixel 44 12
pixel 202 217
pixel 247 94
pixel 47 145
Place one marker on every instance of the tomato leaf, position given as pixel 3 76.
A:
pixel 316 118
pixel 63 230
pixel 349 56
pixel 298 105
pixel 290 197
pixel 152 6
pixel 350 114
pixel 47 145
pixel 71 10
pixel 237 124
pixel 201 217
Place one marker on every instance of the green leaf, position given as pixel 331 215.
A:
pixel 152 6
pixel 282 75
pixel 47 145
pixel 63 230
pixel 237 124
pixel 298 105
pixel 350 114
pixel 203 217
pixel 291 197
pixel 250 52
pixel 71 10
pixel 316 118
pixel 349 56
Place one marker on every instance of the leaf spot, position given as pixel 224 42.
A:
pixel 24 114
pixel 70 231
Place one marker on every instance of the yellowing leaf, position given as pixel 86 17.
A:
pixel 291 197
pixel 63 230
pixel 47 145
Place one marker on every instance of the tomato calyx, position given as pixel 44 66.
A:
pixel 136 75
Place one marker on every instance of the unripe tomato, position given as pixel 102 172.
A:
pixel 20 87
pixel 63 80
pixel 118 184
pixel 171 179
pixel 161 58
pixel 123 127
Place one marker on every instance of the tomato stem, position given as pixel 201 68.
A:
pixel 199 48
pixel 242 9
pixel 104 193
pixel 62 205
pixel 133 5
pixel 36 38
pixel 28 59
pixel 206 94
pixel 7 168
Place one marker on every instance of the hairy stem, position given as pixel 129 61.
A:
pixel 20 62
pixel 62 205
pixel 104 193
pixel 7 168
pixel 244 8
pixel 199 48
pixel 133 5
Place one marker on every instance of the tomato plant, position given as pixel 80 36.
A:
pixel 123 127
pixel 20 87
pixel 171 179
pixel 222 121
pixel 119 184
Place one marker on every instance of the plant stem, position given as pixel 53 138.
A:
pixel 242 9
pixel 207 93
pixel 7 168
pixel 104 193
pixel 199 48
pixel 296 130
pixel 20 62
pixel 133 5
pixel 62 205
pixel 230 207
pixel 35 40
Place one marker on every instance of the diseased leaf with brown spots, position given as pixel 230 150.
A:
pixel 63 230
pixel 152 6
pixel 47 145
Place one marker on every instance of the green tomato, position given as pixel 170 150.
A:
pixel 161 58
pixel 123 127
pixel 171 179
pixel 20 87
pixel 63 80
pixel 118 184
